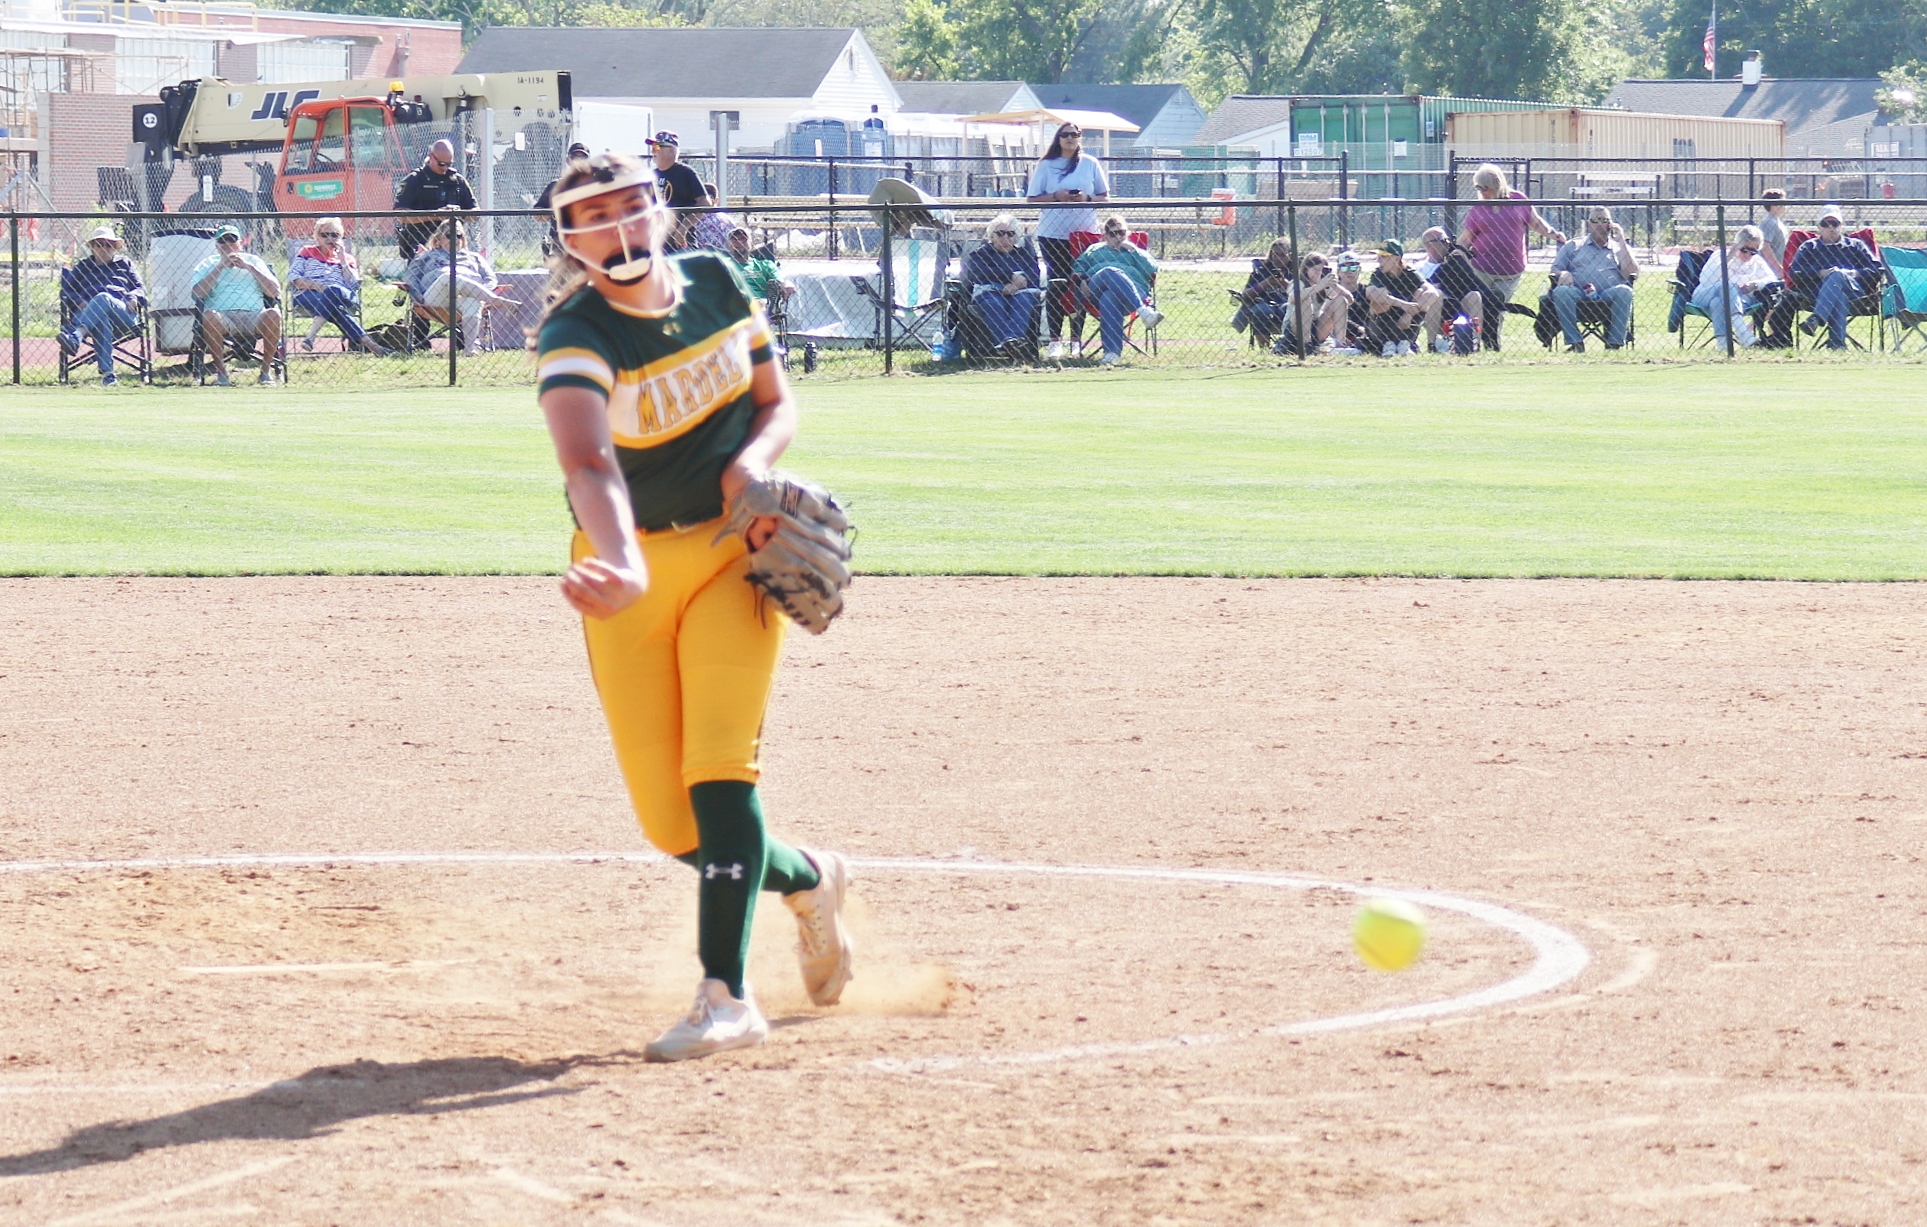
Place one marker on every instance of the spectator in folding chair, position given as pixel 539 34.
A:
pixel 1265 299
pixel 103 295
pixel 712 229
pixel 1598 269
pixel 233 288
pixel 324 278
pixel 1115 277
pixel 1400 301
pixel 1750 284
pixel 764 276
pixel 447 255
pixel 1005 289
pixel 1321 307
pixel 1831 273
pixel 765 280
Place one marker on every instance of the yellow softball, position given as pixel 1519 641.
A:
pixel 1388 934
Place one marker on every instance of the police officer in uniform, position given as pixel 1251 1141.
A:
pixel 433 185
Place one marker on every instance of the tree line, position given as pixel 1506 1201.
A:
pixel 1569 51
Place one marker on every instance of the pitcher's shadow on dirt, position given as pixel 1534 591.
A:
pixel 313 1104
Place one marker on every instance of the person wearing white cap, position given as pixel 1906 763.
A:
pixel 1831 272
pixel 102 294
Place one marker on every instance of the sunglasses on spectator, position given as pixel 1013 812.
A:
pixel 226 241
pixel 1116 234
pixel 1005 234
pixel 327 234
pixel 1747 251
pixel 1828 224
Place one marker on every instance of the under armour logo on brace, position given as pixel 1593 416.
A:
pixel 735 872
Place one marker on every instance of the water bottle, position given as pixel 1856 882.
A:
pixel 1465 336
pixel 809 357
pixel 937 352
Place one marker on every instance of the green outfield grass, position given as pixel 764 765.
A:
pixel 1593 468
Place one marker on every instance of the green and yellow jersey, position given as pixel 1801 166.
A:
pixel 678 382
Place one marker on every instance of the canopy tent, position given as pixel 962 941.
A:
pixel 1047 120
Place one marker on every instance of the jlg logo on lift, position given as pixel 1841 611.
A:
pixel 275 104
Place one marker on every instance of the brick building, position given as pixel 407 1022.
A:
pixel 68 87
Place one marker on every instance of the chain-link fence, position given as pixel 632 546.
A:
pixel 856 289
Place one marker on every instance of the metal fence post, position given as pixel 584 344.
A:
pixel 13 230
pixel 1726 288
pixel 889 291
pixel 1344 173
pixel 832 242
pixel 454 317
pixel 1292 299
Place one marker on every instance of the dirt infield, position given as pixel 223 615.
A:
pixel 1719 790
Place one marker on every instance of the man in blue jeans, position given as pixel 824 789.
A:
pixel 102 294
pixel 1832 271
pixel 1598 268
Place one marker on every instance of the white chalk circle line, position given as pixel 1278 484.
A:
pixel 1558 956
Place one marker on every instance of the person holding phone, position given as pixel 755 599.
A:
pixel 1065 176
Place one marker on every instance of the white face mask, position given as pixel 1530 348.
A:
pixel 634 255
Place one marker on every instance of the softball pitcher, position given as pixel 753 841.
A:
pixel 666 408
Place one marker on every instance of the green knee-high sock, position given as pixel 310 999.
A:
pixel 785 870
pixel 730 857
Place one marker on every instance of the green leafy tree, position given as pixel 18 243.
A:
pixel 1533 49
pixel 1800 38
pixel 1022 40
pixel 926 43
pixel 1903 92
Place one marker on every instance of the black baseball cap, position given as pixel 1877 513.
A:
pixel 578 150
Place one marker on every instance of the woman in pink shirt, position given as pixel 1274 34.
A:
pixel 1495 235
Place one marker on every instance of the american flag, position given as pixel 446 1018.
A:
pixel 1712 38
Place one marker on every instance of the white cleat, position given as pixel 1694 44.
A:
pixel 717 1022
pixel 823 947
pixel 1056 351
pixel 1150 316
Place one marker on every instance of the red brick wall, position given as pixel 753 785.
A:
pixel 85 131
pixel 421 51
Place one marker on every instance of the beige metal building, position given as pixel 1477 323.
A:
pixel 1581 132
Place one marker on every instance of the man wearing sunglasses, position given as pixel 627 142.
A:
pixel 233 288
pixel 101 294
pixel 1831 272
pixel 1598 268
pixel 433 185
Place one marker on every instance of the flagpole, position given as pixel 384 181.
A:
pixel 1713 42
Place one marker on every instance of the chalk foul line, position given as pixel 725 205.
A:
pixel 1558 956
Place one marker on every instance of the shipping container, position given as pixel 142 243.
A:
pixel 1580 132
pixel 1384 119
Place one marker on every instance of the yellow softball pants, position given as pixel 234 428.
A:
pixel 684 675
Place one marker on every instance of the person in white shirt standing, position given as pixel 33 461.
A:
pixel 1064 176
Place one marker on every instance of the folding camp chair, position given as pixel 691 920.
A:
pixel 130 348
pixel 1595 318
pixel 1905 299
pixel 920 270
pixel 1686 282
pixel 1867 304
pixel 296 311
pixel 1082 241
